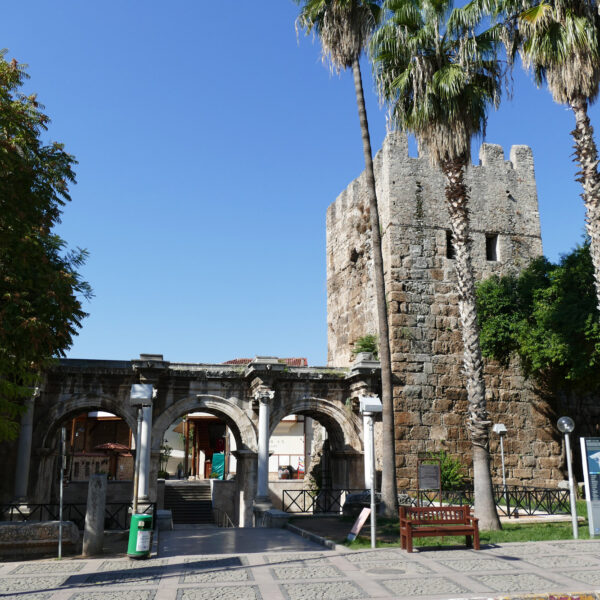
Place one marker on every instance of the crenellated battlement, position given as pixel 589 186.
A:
pixel 505 234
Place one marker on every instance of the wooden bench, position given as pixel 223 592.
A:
pixel 435 521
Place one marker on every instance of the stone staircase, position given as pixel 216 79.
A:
pixel 189 501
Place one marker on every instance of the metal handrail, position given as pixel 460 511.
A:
pixel 222 519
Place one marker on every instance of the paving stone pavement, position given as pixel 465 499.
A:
pixel 533 571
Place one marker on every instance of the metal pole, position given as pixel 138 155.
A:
pixel 136 469
pixel 63 460
pixel 504 476
pixel 571 488
pixel 373 503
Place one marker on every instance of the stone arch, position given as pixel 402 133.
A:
pixel 237 420
pixel 344 428
pixel 76 404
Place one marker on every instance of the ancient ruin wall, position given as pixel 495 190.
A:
pixel 429 393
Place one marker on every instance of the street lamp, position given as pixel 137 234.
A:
pixel 500 429
pixel 566 425
pixel 369 407
pixel 140 397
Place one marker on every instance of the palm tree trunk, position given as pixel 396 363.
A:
pixel 586 155
pixel 478 425
pixel 389 495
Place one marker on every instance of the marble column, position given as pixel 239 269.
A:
pixel 264 398
pixel 24 450
pixel 145 449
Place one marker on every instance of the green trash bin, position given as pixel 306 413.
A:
pixel 140 536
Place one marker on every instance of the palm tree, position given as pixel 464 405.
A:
pixel 344 28
pixel 439 79
pixel 559 42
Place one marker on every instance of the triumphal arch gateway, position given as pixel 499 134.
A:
pixel 429 393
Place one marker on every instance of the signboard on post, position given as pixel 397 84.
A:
pixel 358 524
pixel 429 476
pixel 590 456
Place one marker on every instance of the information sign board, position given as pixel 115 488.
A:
pixel 590 456
pixel 358 524
pixel 429 477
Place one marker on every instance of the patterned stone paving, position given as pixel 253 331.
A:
pixel 374 555
pixel 563 560
pixel 520 582
pixel 517 571
pixel 121 565
pixel 127 577
pixel 312 558
pixel 30 584
pixel 478 564
pixel 26 596
pixel 36 568
pixel 115 595
pixel 225 592
pixel 294 572
pixel 413 568
pixel 421 586
pixel 524 550
pixel 590 577
pixel 337 590
pixel 215 570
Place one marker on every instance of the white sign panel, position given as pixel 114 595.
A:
pixel 590 456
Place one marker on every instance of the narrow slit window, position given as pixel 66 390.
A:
pixel 491 247
pixel 449 245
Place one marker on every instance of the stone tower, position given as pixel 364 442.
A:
pixel 426 346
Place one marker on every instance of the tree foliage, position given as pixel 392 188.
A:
pixel 546 316
pixel 367 343
pixel 40 287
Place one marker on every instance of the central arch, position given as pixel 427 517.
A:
pixel 243 430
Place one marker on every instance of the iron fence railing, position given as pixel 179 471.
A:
pixel 511 501
pixel 309 501
pixel 116 514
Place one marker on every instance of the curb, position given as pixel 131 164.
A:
pixel 313 537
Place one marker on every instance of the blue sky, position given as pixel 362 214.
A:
pixel 210 142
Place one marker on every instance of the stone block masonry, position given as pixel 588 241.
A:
pixel 426 345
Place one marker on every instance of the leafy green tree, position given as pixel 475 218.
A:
pixel 547 316
pixel 344 28
pixel 440 78
pixel 40 288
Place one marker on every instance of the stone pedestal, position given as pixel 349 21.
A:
pixel 93 535
pixel 246 485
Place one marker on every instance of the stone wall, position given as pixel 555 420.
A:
pixel 429 393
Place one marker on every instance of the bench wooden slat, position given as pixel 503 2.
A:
pixel 420 521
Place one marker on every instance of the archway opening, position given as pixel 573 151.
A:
pixel 99 442
pixel 197 446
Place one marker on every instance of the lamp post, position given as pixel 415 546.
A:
pixel 566 425
pixel 500 429
pixel 141 397
pixel 369 407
